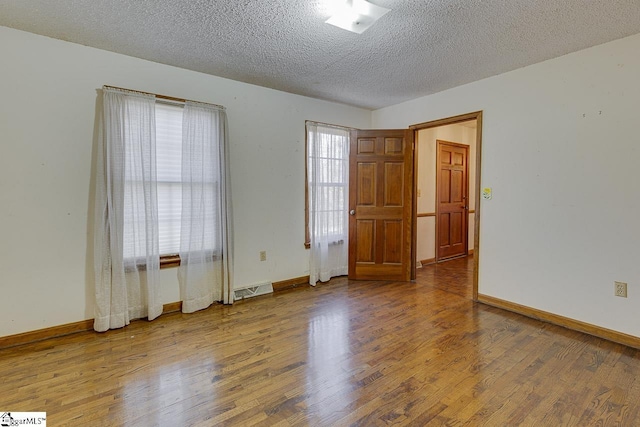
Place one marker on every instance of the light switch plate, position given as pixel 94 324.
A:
pixel 486 193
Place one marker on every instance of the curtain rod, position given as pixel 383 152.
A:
pixel 330 125
pixel 168 98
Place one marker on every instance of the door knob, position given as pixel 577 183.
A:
pixel 352 212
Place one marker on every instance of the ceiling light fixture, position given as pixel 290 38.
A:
pixel 356 15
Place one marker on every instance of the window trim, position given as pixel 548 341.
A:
pixel 307 233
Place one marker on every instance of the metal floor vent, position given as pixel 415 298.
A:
pixel 253 291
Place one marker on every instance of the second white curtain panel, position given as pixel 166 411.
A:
pixel 205 236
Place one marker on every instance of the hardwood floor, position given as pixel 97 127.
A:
pixel 341 354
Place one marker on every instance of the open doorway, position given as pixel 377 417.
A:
pixel 447 182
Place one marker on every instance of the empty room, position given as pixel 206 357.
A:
pixel 319 213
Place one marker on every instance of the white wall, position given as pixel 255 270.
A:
pixel 561 151
pixel 47 116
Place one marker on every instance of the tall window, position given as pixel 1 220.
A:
pixel 327 200
pixel 328 177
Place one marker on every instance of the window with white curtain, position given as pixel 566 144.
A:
pixel 328 176
pixel 170 187
pixel 163 197
pixel 327 201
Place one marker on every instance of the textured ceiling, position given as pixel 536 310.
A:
pixel 420 47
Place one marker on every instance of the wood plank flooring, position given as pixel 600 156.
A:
pixel 341 354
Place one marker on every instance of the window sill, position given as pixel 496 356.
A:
pixel 168 261
pixel 307 245
pixel 173 260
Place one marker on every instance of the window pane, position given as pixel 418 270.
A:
pixel 169 209
pixel 169 142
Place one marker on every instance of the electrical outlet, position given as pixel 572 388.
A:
pixel 263 255
pixel 620 289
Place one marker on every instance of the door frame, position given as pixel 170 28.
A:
pixel 466 188
pixel 477 115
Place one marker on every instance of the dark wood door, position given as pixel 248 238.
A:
pixel 380 203
pixel 452 202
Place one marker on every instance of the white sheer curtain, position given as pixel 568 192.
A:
pixel 328 185
pixel 205 272
pixel 127 259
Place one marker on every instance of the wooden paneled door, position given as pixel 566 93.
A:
pixel 381 205
pixel 452 200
